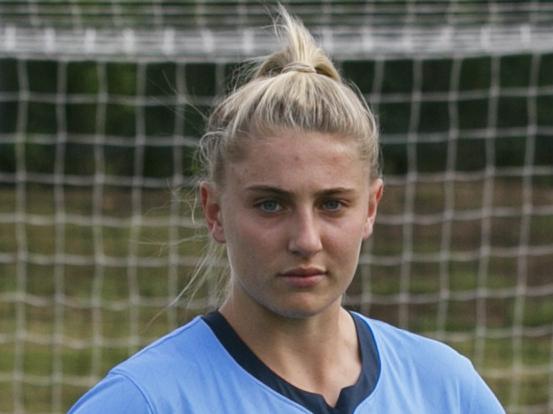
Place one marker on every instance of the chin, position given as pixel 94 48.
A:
pixel 303 310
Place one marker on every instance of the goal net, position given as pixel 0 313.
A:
pixel 102 104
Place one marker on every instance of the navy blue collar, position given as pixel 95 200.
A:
pixel 350 397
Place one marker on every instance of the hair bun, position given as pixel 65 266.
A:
pixel 299 67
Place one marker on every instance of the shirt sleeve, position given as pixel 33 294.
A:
pixel 483 399
pixel 114 394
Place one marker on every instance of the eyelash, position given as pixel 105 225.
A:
pixel 339 205
pixel 261 205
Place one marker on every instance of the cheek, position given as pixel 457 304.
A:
pixel 243 229
pixel 249 242
pixel 346 239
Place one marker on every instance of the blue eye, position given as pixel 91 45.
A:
pixel 270 206
pixel 332 205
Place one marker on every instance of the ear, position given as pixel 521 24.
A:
pixel 376 190
pixel 212 211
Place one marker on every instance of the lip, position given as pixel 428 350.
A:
pixel 304 272
pixel 303 277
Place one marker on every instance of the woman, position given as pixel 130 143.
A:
pixel 291 191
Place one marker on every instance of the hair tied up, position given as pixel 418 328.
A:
pixel 299 67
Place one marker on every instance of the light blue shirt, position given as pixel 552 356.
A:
pixel 191 371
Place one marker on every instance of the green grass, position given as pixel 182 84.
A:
pixel 115 283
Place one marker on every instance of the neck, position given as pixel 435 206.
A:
pixel 322 330
pixel 317 353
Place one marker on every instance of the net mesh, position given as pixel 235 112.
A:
pixel 213 30
pixel 101 106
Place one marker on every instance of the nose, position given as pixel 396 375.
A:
pixel 305 238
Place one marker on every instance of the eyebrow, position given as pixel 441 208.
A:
pixel 283 193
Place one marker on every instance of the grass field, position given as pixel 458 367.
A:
pixel 80 282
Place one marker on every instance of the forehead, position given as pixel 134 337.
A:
pixel 299 159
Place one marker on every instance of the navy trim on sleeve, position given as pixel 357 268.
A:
pixel 350 397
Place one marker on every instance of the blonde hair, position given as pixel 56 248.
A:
pixel 296 88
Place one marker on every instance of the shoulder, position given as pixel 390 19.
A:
pixel 155 378
pixel 397 345
pixel 428 371
pixel 114 394
pixel 178 363
pixel 181 347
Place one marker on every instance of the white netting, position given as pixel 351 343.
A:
pixel 99 116
pixel 221 30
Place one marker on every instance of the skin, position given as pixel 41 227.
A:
pixel 293 212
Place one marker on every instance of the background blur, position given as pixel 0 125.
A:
pixel 101 106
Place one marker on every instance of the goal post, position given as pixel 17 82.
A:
pixel 101 107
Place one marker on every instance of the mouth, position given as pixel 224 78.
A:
pixel 303 277
pixel 304 272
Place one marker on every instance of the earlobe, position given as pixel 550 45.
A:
pixel 212 211
pixel 377 188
